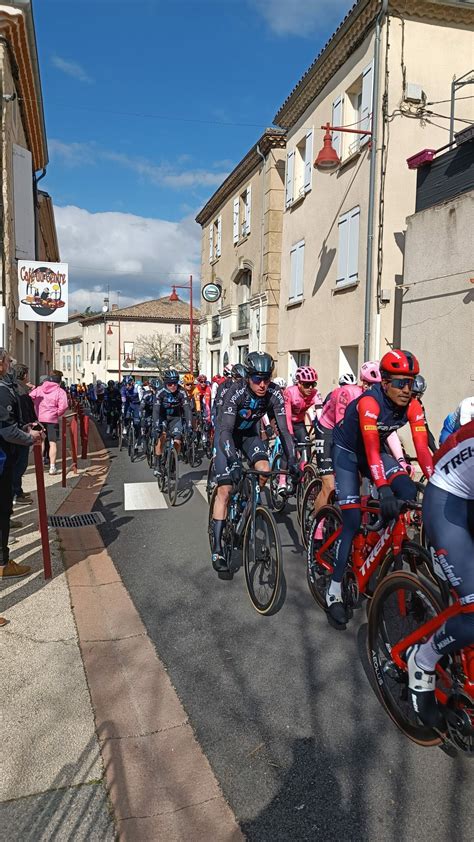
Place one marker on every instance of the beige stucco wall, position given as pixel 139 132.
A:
pixel 438 302
pixel 328 319
pixel 260 252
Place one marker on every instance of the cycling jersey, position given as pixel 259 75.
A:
pixel 368 422
pixel 298 404
pixel 146 404
pixel 221 391
pixel 335 406
pixel 454 463
pixel 202 399
pixel 169 405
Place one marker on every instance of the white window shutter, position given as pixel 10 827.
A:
pixel 342 248
pixel 236 220
pixel 219 236
pixel 248 209
pixel 293 269
pixel 290 167
pixel 23 204
pixel 308 161
pixel 299 271
pixel 366 106
pixel 211 241
pixel 337 121
pixel 353 246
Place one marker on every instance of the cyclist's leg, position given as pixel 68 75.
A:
pixel 301 436
pixel 323 441
pixel 176 431
pixel 219 512
pixel 256 451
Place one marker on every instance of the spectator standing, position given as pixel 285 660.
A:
pixel 50 402
pixel 11 436
pixel 28 415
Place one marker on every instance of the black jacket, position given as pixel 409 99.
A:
pixel 11 420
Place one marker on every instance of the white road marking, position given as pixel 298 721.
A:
pixel 143 495
pixel 201 487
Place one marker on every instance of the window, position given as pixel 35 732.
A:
pixel 298 359
pixel 177 351
pixel 243 353
pixel 99 355
pixel 348 360
pixel 215 239
pixel 242 214
pixel 78 360
pixel 215 362
pixel 299 169
pixel 177 328
pixel 348 248
pixel 296 271
pixel 355 108
pixel 68 362
pixel 92 355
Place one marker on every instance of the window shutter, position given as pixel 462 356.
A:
pixel 290 166
pixel 353 246
pixel 343 248
pixel 308 161
pixel 211 242
pixel 219 236
pixel 366 106
pixel 299 271
pixel 337 121
pixel 248 209
pixel 293 268
pixel 236 220
pixel 23 203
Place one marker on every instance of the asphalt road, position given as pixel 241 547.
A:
pixel 282 706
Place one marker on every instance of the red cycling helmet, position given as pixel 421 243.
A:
pixel 202 378
pixel 306 374
pixel 399 362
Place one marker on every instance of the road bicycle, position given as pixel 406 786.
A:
pixel 133 438
pixel 207 439
pixel 250 526
pixel 405 611
pixel 148 442
pixel 311 491
pixel 123 431
pixel 168 478
pixel 376 551
pixel 309 471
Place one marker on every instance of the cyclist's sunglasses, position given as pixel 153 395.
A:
pixel 260 378
pixel 311 385
pixel 401 382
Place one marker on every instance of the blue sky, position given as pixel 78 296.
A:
pixel 149 104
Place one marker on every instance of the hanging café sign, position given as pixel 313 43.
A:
pixel 42 291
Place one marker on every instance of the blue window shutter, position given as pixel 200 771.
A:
pixel 353 245
pixel 366 106
pixel 337 121
pixel 290 166
pixel 308 161
pixel 342 248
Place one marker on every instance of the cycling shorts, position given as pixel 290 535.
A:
pixel 323 442
pixel 254 450
pixel 347 472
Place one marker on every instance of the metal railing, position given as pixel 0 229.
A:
pixel 243 320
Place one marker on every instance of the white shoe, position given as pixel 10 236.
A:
pixel 422 685
pixel 53 470
pixel 108 429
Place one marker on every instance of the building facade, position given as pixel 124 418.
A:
pixel 437 294
pixel 26 214
pixel 343 235
pixel 68 353
pixel 241 251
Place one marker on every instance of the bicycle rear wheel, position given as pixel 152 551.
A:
pixel 131 443
pixel 278 501
pixel 310 473
pixel 173 476
pixel 325 528
pixel 307 508
pixel 193 458
pixel 262 562
pixel 399 606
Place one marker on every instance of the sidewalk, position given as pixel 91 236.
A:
pixel 67 765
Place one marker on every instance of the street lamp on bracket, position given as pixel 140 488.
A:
pixel 327 158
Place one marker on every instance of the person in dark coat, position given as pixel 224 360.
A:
pixel 29 417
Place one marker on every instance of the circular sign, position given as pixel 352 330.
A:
pixel 211 292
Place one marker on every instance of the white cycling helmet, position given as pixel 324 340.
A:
pixel 466 411
pixel 347 379
pixel 280 381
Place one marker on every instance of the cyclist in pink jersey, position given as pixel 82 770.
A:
pixel 301 400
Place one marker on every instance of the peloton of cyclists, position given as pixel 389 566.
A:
pixel 171 410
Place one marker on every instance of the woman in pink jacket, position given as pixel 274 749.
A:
pixel 50 402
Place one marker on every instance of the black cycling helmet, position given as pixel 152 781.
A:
pixel 419 385
pixel 170 376
pixel 110 383
pixel 238 371
pixel 258 362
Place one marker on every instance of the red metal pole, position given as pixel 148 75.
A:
pixel 85 437
pixel 191 327
pixel 73 438
pixel 42 512
pixel 63 451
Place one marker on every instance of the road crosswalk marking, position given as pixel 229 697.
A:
pixel 201 486
pixel 143 495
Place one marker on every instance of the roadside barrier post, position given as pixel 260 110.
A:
pixel 42 512
pixel 85 436
pixel 63 451
pixel 74 442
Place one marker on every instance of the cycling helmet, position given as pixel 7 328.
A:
pixel 419 385
pixel 306 374
pixel 370 372
pixel 258 362
pixel 347 379
pixel 466 411
pixel 110 383
pixel 202 378
pixel 281 382
pixel 216 379
pixel 399 362
pixel 129 379
pixel 170 376
pixel 238 371
pixel 188 379
pixel 227 370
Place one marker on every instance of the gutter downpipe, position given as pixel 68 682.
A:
pixel 262 228
pixel 373 169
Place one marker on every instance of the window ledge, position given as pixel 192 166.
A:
pixel 214 260
pixel 295 202
pixel 240 334
pixel 214 341
pixel 242 240
pixel 350 158
pixel 345 285
pixel 296 303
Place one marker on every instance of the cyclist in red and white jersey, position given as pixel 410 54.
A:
pixel 448 517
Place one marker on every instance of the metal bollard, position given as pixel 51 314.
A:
pixel 42 511
pixel 74 442
pixel 63 451
pixel 85 436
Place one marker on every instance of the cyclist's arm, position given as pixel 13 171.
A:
pixel 277 406
pixel 227 419
pixel 368 411
pixel 197 400
pixel 287 405
pixel 395 446
pixel 416 418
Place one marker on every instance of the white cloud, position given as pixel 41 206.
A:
pixel 139 256
pixel 71 68
pixel 301 17
pixel 175 176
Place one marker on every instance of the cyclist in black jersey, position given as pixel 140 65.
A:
pixel 243 405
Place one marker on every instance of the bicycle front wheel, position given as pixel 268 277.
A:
pixel 400 605
pixel 120 433
pixel 278 501
pixel 307 508
pixel 173 476
pixel 310 473
pixel 262 562
pixel 324 532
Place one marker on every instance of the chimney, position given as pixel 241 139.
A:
pixel 114 306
